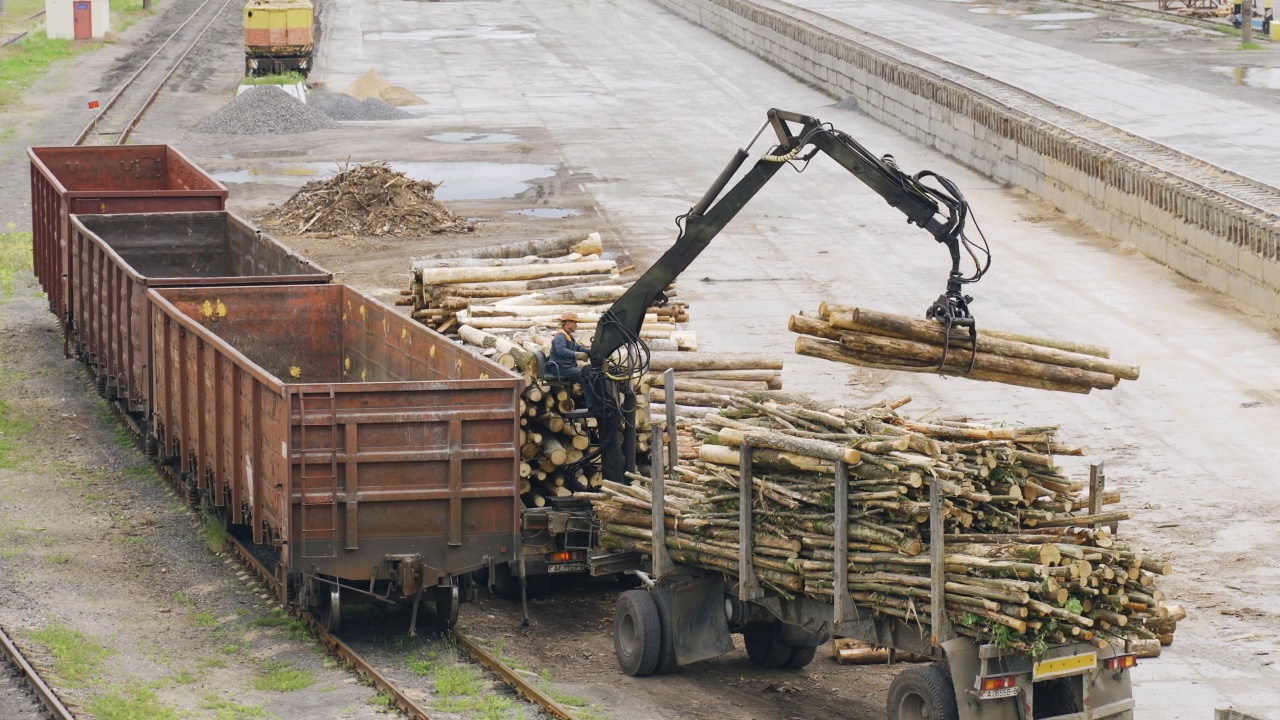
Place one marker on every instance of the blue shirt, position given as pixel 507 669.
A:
pixel 563 346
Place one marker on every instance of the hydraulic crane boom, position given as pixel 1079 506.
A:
pixel 618 354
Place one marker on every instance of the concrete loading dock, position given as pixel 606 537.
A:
pixel 800 242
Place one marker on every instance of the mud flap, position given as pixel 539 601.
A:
pixel 699 624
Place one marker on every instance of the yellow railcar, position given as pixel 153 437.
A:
pixel 278 36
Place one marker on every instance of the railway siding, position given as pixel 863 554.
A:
pixel 1214 226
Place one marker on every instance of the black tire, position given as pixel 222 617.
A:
pixel 667 651
pixel 800 657
pixel 923 692
pixel 1054 697
pixel 637 633
pixel 764 645
pixel 505 584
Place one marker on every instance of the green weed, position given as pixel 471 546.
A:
pixel 215 535
pixel 127 12
pixel 206 620
pixel 230 710
pixel 15 261
pixel 75 656
pixel 186 677
pixel 278 677
pixel 13 426
pixel 289 78
pixel 273 619
pixel 59 559
pixel 384 701
pixel 132 702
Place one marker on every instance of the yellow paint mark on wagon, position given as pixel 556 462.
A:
pixel 295 372
pixel 458 364
pixel 364 375
pixel 404 333
pixel 346 363
pixel 433 351
pixel 206 309
pixel 364 314
pixel 484 376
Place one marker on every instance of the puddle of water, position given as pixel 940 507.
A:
pixel 554 213
pixel 462 180
pixel 473 33
pixel 989 10
pixel 1252 76
pixel 1049 27
pixel 474 138
pixel 1060 17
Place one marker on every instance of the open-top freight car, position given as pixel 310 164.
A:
pixel 105 180
pixel 114 259
pixel 368 454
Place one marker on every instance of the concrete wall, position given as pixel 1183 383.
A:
pixel 1204 235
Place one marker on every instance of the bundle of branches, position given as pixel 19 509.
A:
pixel 873 339
pixel 1023 568
pixel 367 200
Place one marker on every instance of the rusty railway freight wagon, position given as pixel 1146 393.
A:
pixel 369 454
pixel 115 259
pixel 105 180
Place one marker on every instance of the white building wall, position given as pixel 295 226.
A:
pixel 60 18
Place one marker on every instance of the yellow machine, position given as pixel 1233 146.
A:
pixel 278 36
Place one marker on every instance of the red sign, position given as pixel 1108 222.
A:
pixel 93 104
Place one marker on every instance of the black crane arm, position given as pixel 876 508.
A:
pixel 923 205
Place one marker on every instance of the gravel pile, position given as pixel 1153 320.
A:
pixel 265 110
pixel 341 106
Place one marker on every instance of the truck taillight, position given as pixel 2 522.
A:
pixel 562 556
pixel 999 683
pixel 1121 662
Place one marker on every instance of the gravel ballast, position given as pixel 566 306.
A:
pixel 341 106
pixel 265 110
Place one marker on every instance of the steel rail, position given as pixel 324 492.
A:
pixel 1233 186
pixel 335 644
pixel 530 691
pixel 45 693
pixel 111 101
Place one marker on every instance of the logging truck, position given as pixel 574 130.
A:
pixel 685 614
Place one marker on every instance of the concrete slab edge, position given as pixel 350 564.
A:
pixel 1233 714
pixel 1202 235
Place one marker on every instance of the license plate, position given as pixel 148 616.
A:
pixel 567 568
pixel 1001 693
pixel 1069 665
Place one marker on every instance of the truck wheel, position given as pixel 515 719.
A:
pixel 637 633
pixel 801 657
pixel 505 584
pixel 764 646
pixel 667 653
pixel 923 692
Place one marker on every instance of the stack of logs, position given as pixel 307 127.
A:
pixel 880 340
pixel 1023 567
pixel 507 301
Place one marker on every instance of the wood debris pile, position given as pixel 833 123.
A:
pixel 1027 565
pixel 892 342
pixel 366 200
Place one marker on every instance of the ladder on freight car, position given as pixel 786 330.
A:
pixel 318 479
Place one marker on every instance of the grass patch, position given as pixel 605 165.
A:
pixel 270 620
pixel 231 710
pixel 59 559
pixel 133 702
pixel 215 535
pixel 1250 46
pixel 15 260
pixel 186 677
pixel 22 63
pixel 289 78
pixel 384 701
pixel 76 657
pixel 125 13
pixel 278 677
pixel 206 620
pixel 298 629
pixel 13 426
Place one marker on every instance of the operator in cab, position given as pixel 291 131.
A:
pixel 565 353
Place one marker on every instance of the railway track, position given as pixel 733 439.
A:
pixel 1250 193
pixel 363 667
pixel 120 114
pixel 28 674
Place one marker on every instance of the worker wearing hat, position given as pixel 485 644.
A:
pixel 563 363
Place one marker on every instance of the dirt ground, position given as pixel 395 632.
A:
pixel 92 541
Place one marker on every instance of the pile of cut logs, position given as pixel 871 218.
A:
pixel 507 300
pixel 1024 566
pixel 893 342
